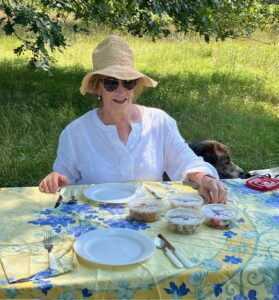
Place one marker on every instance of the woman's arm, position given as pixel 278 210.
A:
pixel 52 182
pixel 211 188
pixel 182 164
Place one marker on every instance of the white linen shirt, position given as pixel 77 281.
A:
pixel 91 152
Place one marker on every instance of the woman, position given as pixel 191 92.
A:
pixel 122 141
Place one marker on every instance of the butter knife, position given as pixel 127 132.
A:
pixel 186 262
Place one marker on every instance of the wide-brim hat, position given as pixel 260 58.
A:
pixel 114 58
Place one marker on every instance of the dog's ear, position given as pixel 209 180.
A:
pixel 206 150
pixel 221 150
pixel 210 154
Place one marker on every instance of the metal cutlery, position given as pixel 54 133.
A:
pixel 60 198
pixel 186 262
pixel 48 244
pixel 73 199
pixel 152 192
pixel 159 243
pixel 58 202
pixel 74 194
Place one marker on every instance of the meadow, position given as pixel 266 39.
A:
pixel 228 91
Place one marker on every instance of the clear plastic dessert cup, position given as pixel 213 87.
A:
pixel 184 220
pixel 186 200
pixel 145 210
pixel 220 216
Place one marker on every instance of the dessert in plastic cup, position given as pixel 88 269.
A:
pixel 220 216
pixel 184 220
pixel 187 200
pixel 145 210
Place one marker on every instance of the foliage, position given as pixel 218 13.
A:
pixel 37 23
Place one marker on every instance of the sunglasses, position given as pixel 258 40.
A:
pixel 111 84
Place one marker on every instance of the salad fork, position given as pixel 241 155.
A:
pixel 48 244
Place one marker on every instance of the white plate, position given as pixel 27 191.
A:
pixel 111 192
pixel 114 246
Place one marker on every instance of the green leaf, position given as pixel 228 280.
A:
pixel 219 19
pixel 8 28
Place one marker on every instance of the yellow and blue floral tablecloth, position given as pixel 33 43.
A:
pixel 239 263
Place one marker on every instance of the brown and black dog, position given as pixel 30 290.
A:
pixel 219 156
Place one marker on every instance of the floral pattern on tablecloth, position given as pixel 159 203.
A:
pixel 234 264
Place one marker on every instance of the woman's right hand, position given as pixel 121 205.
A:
pixel 52 182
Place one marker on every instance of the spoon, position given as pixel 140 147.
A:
pixel 159 243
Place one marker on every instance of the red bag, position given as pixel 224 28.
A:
pixel 263 183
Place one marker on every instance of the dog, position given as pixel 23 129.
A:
pixel 218 155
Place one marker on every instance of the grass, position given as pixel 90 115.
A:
pixel 227 91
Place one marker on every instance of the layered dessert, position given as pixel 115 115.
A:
pixel 187 200
pixel 184 220
pixel 145 210
pixel 220 216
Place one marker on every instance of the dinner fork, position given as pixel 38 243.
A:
pixel 152 192
pixel 48 244
pixel 73 199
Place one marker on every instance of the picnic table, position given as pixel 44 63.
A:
pixel 238 263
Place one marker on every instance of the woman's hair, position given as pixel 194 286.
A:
pixel 93 83
pixel 95 80
pixel 138 90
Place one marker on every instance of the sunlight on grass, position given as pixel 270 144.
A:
pixel 227 91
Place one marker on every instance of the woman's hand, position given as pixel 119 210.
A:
pixel 52 182
pixel 213 190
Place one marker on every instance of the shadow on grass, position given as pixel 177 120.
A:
pixel 35 108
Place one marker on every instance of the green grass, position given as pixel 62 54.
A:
pixel 227 91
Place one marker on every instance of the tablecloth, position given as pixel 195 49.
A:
pixel 238 263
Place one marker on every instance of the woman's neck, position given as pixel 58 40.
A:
pixel 132 113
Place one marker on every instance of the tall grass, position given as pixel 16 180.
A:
pixel 227 91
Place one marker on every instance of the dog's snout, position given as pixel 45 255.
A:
pixel 242 174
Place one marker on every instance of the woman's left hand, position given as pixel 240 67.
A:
pixel 213 190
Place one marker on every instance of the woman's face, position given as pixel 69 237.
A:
pixel 115 93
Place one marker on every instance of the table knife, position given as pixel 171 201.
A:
pixel 185 261
pixel 60 198
pixel 171 256
pixel 58 202
pixel 162 245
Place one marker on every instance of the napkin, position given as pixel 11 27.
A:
pixel 23 262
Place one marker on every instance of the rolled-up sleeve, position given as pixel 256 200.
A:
pixel 180 158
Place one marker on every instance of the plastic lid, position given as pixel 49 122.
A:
pixel 186 199
pixel 185 216
pixel 220 211
pixel 145 205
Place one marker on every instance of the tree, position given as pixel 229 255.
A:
pixel 37 23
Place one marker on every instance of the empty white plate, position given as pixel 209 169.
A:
pixel 114 246
pixel 111 192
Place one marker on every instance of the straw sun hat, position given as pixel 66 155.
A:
pixel 114 58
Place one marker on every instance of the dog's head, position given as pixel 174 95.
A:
pixel 218 155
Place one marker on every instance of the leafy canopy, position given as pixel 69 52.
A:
pixel 37 23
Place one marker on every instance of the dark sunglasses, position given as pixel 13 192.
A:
pixel 111 84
